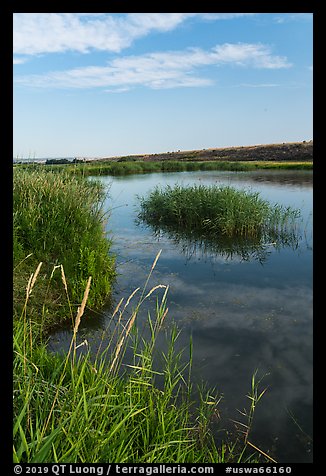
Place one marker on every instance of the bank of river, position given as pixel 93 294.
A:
pixel 244 311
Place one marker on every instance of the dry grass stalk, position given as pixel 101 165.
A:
pixel 35 276
pixel 117 352
pixel 154 289
pixel 26 257
pixel 54 268
pixel 131 296
pixel 32 280
pixel 119 345
pixel 156 259
pixel 131 322
pixel 85 342
pixel 81 309
pixel 159 322
pixel 28 287
pixel 164 316
pixel 262 452
pixel 117 308
pixel 63 277
pixel 165 293
pixel 80 312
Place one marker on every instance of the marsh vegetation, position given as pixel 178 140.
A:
pixel 77 408
pixel 58 219
pixel 81 407
pixel 131 167
pixel 221 218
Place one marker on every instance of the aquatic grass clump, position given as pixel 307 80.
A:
pixel 212 211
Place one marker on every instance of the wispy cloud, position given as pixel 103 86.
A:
pixel 258 85
pixel 20 59
pixel 290 17
pixel 161 69
pixel 38 33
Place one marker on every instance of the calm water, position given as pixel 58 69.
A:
pixel 244 311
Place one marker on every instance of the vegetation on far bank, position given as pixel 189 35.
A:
pixel 277 152
pixel 129 167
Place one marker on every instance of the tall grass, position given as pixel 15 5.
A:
pixel 83 407
pixel 58 218
pixel 75 409
pixel 80 408
pixel 128 167
pixel 214 211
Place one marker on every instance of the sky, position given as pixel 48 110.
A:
pixel 109 84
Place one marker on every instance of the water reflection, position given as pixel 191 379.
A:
pixel 241 315
pixel 257 248
pixel 299 178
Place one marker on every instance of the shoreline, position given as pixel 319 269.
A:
pixel 285 151
pixel 289 151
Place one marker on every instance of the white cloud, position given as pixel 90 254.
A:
pixel 256 55
pixel 117 90
pixel 290 17
pixel 159 70
pixel 19 59
pixel 258 85
pixel 38 33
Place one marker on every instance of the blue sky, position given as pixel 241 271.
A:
pixel 106 84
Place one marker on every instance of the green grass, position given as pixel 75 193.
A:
pixel 128 403
pixel 77 409
pixel 212 211
pixel 83 408
pixel 129 166
pixel 59 220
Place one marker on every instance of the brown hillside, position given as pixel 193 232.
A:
pixel 296 151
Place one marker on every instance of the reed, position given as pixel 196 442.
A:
pixel 79 408
pixel 75 409
pixel 213 211
pixel 59 219
pixel 109 407
pixel 132 166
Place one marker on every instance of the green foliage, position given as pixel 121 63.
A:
pixel 80 409
pixel 59 161
pixel 58 219
pixel 132 165
pixel 83 408
pixel 214 211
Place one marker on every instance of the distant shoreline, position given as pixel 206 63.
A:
pixel 302 151
pixel 289 151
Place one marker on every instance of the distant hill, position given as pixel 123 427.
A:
pixel 296 151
